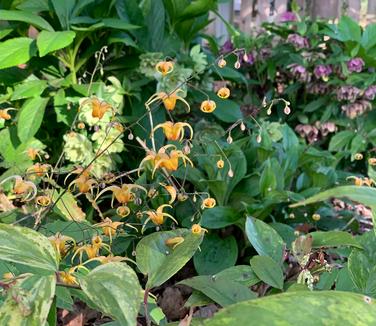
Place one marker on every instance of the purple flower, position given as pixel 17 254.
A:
pixel 288 16
pixel 227 47
pixel 370 92
pixel 299 72
pixel 355 65
pixel 322 71
pixel 298 41
pixel 348 93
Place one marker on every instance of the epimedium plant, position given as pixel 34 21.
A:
pixel 158 166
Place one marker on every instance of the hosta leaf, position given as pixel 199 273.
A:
pixel 264 239
pixel 300 308
pixel 268 271
pixel 159 261
pixel 115 290
pixel 27 247
pixel 30 117
pixel 34 297
pixel 51 41
pixel 15 51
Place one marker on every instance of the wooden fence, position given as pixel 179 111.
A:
pixel 249 14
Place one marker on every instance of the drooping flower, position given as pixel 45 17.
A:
pixel 298 41
pixel 158 216
pixel 223 93
pixel 370 92
pixel 123 194
pixel 323 72
pixel 208 106
pixel 348 93
pixel 227 47
pixel 197 229
pixel 208 203
pixel 355 65
pixel 174 131
pixel 61 243
pixel 164 67
pixel 109 227
pixel 98 107
pixel 165 159
pixel 169 100
pixel 299 72
pixel 174 242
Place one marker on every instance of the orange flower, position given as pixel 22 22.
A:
pixel 109 227
pixel 164 67
pixel 172 192
pixel 5 115
pixel 197 229
pixel 174 242
pixel 91 250
pixel 169 161
pixel 99 108
pixel 25 189
pixel 33 153
pixel 60 241
pixel 223 93
pixel 220 164
pixel 208 106
pixel 123 211
pixel 174 131
pixel 123 194
pixel 158 216
pixel 43 200
pixel 361 182
pixel 169 100
pixel 38 170
pixel 68 277
pixel 208 203
pixel 372 161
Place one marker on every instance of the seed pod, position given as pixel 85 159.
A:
pixel 245 57
pixel 229 139
pixel 130 136
pixel 230 173
pixel 242 126
pixel 237 64
pixel 287 110
pixel 258 138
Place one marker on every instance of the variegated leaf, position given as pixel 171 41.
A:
pixel 115 290
pixel 28 302
pixel 28 247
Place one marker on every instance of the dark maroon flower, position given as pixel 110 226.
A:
pixel 355 65
pixel 288 16
pixel 228 46
pixel 322 71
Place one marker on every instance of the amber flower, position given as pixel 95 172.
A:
pixel 224 92
pixel 174 131
pixel 208 106
pixel 164 67
pixel 208 203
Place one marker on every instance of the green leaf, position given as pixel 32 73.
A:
pixel 28 301
pixel 67 206
pixel 32 88
pixel 63 10
pixel 369 36
pixel 31 117
pixel 300 308
pixel 341 140
pixel 115 290
pixel 216 254
pixel 333 239
pixel 227 110
pixel 51 41
pixel 264 239
pixel 268 271
pixel 268 179
pixel 27 247
pixel 16 51
pixel 25 17
pixel 224 291
pixel 363 195
pixel 219 217
pixel 242 274
pixel 161 262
